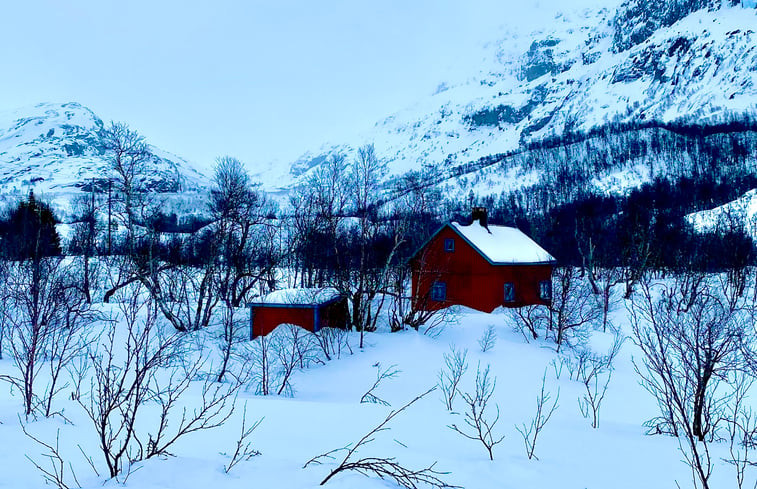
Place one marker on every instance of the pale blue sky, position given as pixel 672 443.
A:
pixel 257 80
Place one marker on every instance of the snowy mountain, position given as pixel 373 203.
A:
pixel 565 82
pixel 554 96
pixel 56 150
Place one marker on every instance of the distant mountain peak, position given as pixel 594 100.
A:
pixel 56 150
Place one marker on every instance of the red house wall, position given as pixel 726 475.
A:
pixel 266 318
pixel 471 280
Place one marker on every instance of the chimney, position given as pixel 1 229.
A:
pixel 480 214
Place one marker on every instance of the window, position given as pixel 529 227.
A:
pixel 509 292
pixel 449 245
pixel 439 291
pixel 545 290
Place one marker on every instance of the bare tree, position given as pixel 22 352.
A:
pixel 127 156
pixel 480 425
pixel 455 366
pixel 541 417
pixel 416 215
pixel 84 241
pixel 245 235
pixel 5 301
pixel 384 467
pixel 318 206
pixel 605 280
pixel 691 340
pixel 237 252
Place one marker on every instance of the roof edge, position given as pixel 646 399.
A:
pixel 486 257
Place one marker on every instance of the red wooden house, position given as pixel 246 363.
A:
pixel 311 309
pixel 480 266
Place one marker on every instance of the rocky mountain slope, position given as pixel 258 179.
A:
pixel 562 83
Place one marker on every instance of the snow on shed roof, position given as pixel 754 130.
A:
pixel 299 297
pixel 502 244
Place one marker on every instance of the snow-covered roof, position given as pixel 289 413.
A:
pixel 502 244
pixel 299 297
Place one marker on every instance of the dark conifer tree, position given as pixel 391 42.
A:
pixel 29 231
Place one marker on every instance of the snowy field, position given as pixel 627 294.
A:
pixel 325 413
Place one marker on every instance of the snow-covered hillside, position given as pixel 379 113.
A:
pixel 565 78
pixel 56 150
pixel 741 212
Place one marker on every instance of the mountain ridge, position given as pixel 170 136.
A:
pixel 702 70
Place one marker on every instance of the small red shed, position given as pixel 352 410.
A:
pixel 311 309
pixel 482 267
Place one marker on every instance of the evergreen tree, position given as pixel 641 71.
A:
pixel 29 231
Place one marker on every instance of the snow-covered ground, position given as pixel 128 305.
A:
pixel 325 413
pixel 738 213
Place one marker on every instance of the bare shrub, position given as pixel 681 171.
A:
pixel 389 372
pixel 243 450
pixel 185 295
pixel 573 310
pixel 258 356
pixel 417 310
pixel 455 365
pixel 56 471
pixel 46 312
pixel 67 344
pixel 274 358
pixel 529 319
pixel 557 364
pixel 233 328
pixel 333 342
pixel 295 348
pixel 387 468
pixel 594 372
pixel 741 426
pixel 542 415
pixel 130 373
pixel 488 339
pixel 480 425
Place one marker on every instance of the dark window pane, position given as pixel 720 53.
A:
pixel 439 291
pixel 545 290
pixel 509 292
